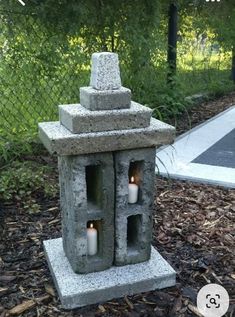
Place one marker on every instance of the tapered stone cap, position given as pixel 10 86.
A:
pixel 105 73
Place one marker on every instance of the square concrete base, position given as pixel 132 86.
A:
pixel 77 290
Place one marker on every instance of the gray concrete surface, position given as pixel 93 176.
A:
pixel 105 73
pixel 57 139
pixel 95 100
pixel 222 153
pixel 133 222
pixel 77 290
pixel 78 119
pixel 87 194
pixel 181 159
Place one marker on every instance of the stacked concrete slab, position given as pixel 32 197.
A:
pixel 101 143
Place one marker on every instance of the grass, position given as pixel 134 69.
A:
pixel 213 81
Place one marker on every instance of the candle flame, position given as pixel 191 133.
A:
pixel 132 179
pixel 91 225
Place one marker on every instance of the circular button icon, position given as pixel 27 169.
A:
pixel 212 300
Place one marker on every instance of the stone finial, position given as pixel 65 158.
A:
pixel 105 73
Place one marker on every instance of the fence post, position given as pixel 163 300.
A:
pixel 233 64
pixel 172 42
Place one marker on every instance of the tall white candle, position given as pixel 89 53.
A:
pixel 92 243
pixel 133 192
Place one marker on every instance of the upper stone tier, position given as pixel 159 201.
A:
pixel 105 73
pixel 106 120
pixel 105 91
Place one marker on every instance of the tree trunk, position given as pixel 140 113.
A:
pixel 172 42
pixel 233 65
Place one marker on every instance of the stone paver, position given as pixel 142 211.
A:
pixel 204 154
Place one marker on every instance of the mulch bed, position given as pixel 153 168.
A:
pixel 200 113
pixel 193 230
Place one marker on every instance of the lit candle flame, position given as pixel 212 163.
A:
pixel 132 179
pixel 91 225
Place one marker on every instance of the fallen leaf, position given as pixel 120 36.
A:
pixel 3 290
pixel 22 289
pixel 194 310
pixel 41 299
pixel 19 309
pixel 49 289
pixel 102 309
pixel 129 303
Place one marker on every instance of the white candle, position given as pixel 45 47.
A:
pixel 133 192
pixel 92 244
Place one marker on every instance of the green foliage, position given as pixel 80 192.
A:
pixel 221 18
pixel 25 183
pixel 45 50
pixel 14 146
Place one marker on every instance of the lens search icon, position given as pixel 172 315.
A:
pixel 213 300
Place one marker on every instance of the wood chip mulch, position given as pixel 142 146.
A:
pixel 194 230
pixel 200 113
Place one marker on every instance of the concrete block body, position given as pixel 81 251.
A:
pixel 78 119
pixel 105 73
pixel 57 139
pixel 87 195
pixel 94 100
pixel 133 224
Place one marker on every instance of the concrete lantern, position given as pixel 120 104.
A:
pixel 106 153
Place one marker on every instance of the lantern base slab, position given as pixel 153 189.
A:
pixel 77 290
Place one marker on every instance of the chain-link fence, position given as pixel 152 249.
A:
pixel 40 70
pixel 37 72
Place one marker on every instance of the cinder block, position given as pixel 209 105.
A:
pixel 133 224
pixel 78 119
pixel 87 194
pixel 77 290
pixel 105 73
pixel 57 139
pixel 95 100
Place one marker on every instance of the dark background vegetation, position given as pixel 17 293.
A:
pixel 46 46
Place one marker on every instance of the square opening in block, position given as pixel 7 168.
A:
pixel 134 232
pixel 94 185
pixel 135 175
pixel 94 234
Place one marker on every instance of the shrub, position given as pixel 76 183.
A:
pixel 26 183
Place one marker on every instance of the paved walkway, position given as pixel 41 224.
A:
pixel 204 154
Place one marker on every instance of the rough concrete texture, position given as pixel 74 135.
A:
pixel 133 224
pixel 93 99
pixel 76 290
pixel 78 119
pixel 87 194
pixel 57 139
pixel 105 73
